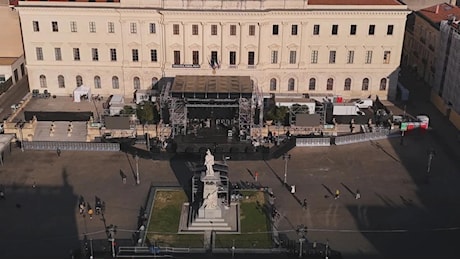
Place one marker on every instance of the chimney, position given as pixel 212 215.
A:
pixel 437 9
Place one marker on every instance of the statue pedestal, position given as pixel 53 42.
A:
pixel 210 214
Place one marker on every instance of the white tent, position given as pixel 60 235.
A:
pixel 81 91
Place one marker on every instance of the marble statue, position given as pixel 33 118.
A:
pixel 209 162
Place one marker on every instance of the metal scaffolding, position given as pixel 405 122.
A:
pixel 178 116
pixel 294 110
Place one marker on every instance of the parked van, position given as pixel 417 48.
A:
pixel 364 103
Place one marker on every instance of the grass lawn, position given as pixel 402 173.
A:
pixel 255 225
pixel 165 218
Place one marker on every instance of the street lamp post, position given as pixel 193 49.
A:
pixel 233 249
pixel 301 230
pixel 286 158
pixel 327 248
pixel 111 230
pixel 138 181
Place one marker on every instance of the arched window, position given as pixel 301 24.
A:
pixel 97 82
pixel 365 84
pixel 312 84
pixel 347 85
pixel 273 84
pixel 330 84
pixel 154 81
pixel 291 84
pixel 115 83
pixel 79 81
pixel 43 81
pixel 383 84
pixel 137 83
pixel 61 82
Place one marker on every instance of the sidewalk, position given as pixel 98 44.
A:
pixel 443 131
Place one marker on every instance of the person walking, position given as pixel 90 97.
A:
pixel 58 151
pixel 358 195
pixel 304 204
pixel 90 213
pixel 337 193
pixel 2 195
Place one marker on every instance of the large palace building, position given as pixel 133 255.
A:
pixel 348 48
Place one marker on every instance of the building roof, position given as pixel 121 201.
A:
pixel 104 1
pixel 436 13
pixel 212 84
pixel 353 2
pixel 7 60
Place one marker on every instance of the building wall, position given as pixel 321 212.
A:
pixel 216 13
pixel 11 42
pixel 14 70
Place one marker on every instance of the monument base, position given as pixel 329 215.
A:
pixel 210 213
pixel 228 220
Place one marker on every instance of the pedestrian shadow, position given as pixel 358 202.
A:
pixel 386 200
pixel 250 173
pixel 328 190
pixel 407 202
pixel 122 175
pixel 348 189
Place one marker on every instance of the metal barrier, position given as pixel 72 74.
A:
pixel 377 134
pixel 324 141
pixel 71 146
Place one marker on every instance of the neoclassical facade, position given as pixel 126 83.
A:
pixel 348 48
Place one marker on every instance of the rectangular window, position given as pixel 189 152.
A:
pixel 386 57
pixel 390 29
pixel 275 29
pixel 92 27
pixel 371 29
pixel 350 57
pixel 368 59
pixel 232 58
pixel 251 56
pixel 76 54
pixel 252 30
pixel 39 52
pixel 54 26
pixel 232 29
pixel 113 54
pixel 194 29
pixel 294 29
pixel 73 26
pixel 176 57
pixel 16 75
pixel 135 54
pixel 292 57
pixel 153 55
pixel 335 29
pixel 332 55
pixel 152 28
pixel 95 54
pixel 316 29
pixel 314 56
pixel 213 29
pixel 36 26
pixel 57 53
pixel 195 57
pixel 133 27
pixel 274 58
pixel 111 27
pixel 353 29
pixel 2 78
pixel 176 29
pixel 23 69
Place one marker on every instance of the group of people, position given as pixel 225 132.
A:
pixel 85 206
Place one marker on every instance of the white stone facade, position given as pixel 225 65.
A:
pixel 245 36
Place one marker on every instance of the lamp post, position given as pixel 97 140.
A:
pixel 301 230
pixel 278 124
pixel 327 248
pixel 111 231
pixel 138 181
pixel 286 158
pixel 233 249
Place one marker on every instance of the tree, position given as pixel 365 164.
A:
pixel 147 112
pixel 127 110
pixel 277 113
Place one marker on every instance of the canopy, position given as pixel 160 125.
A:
pixel 81 91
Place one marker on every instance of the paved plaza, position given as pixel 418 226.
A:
pixel 398 215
